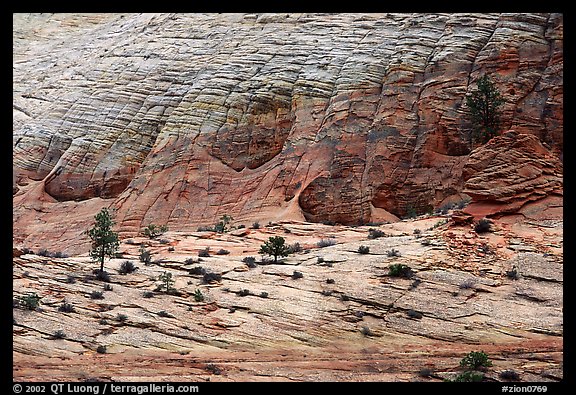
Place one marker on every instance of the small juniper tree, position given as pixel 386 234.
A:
pixel 105 242
pixel 167 280
pixel 483 110
pixel 222 226
pixel 275 246
pixel 153 231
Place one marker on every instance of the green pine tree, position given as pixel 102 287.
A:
pixel 105 242
pixel 276 247
pixel 483 110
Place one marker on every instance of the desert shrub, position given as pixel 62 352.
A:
pixel 469 376
pixel 243 292
pixel 417 233
pixel 60 254
pixel 145 256
pixel 70 279
pixel 198 296
pixel 66 308
pixel 425 372
pixel 127 267
pixel 393 253
pixel 426 242
pixel 467 284
pixel 263 294
pixel 44 252
pixel 294 248
pixel 197 271
pixel 325 243
pixel 363 249
pixel 213 369
pixel 375 233
pixel 414 314
pixel 211 277
pixel 482 226
pixel 59 334
pixel 250 261
pixel 107 287
pixel 96 295
pixel 31 301
pixel 27 250
pixel 462 203
pixel 319 260
pixel 121 317
pixel 205 253
pixel 205 229
pixel 222 252
pixel 171 249
pixel 344 298
pixel 444 208
pixel 101 349
pixel 148 294
pixel 256 225
pixel 153 231
pixel 366 331
pixel 512 273
pixel 189 261
pixel 222 225
pixel 400 270
pixel 509 375
pixel 297 275
pixel 164 313
pixel 330 281
pixel 102 275
pixel 475 360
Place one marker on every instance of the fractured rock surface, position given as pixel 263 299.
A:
pixel 345 319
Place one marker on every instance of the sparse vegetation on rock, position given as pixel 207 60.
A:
pixel 167 281
pixel 222 225
pixel 400 270
pixel 105 241
pixel 31 301
pixel 96 295
pixel 375 233
pixel 145 255
pixel 152 231
pixel 275 246
pixel 363 249
pixel 204 253
pixel 482 226
pixel 325 243
pixel 297 275
pixel 198 296
pixel 482 107
pixel 127 267
pixel 66 308
pixel 475 360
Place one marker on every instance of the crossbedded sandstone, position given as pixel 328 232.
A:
pixel 350 118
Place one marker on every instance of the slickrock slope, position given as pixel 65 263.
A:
pixel 346 318
pixel 178 119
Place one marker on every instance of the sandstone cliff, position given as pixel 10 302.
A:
pixel 178 119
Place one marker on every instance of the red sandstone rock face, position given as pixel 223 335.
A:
pixel 179 119
pixel 511 170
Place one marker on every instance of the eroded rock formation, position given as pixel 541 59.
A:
pixel 180 118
